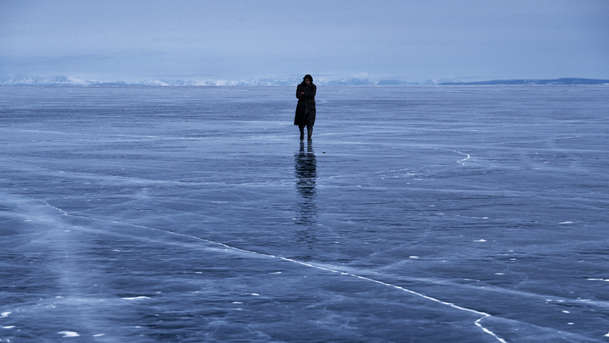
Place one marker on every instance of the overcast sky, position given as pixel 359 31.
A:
pixel 410 40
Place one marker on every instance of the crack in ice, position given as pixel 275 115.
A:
pixel 477 322
pixel 483 315
pixel 330 268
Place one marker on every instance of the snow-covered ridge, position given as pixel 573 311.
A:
pixel 77 81
pixel 63 80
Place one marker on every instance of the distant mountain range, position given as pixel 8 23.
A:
pixel 75 81
pixel 560 81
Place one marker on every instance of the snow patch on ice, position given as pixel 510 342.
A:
pixel 69 333
pixel 139 297
pixel 566 222
pixel 597 279
pixel 9 327
pixel 5 314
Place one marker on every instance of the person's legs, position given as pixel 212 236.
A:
pixel 301 128
pixel 309 131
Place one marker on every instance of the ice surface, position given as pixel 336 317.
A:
pixel 417 214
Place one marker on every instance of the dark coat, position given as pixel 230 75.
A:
pixel 305 110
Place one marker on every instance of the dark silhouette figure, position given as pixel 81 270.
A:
pixel 305 110
pixel 305 169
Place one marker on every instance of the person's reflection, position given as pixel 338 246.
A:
pixel 305 169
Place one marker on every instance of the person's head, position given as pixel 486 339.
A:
pixel 308 79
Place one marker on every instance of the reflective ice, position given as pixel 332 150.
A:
pixel 416 214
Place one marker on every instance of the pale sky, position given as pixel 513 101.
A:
pixel 408 40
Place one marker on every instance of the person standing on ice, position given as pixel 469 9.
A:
pixel 305 110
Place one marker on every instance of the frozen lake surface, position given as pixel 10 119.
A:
pixel 421 214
